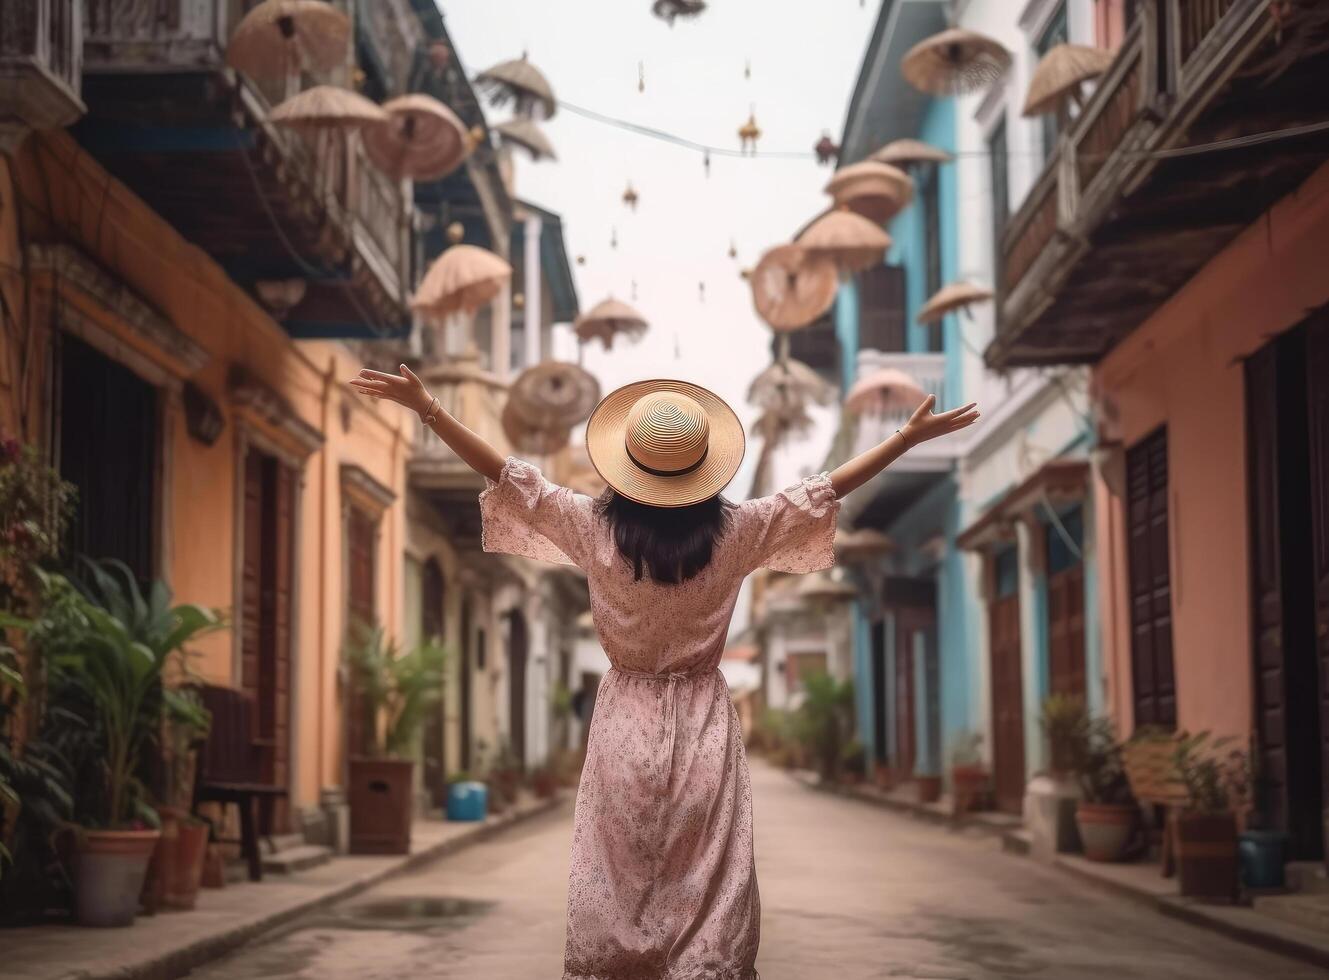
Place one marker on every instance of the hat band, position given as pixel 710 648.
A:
pixel 654 472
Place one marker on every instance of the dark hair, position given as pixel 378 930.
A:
pixel 671 544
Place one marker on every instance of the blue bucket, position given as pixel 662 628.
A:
pixel 467 801
pixel 1261 855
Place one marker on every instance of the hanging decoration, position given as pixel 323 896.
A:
pixel 327 107
pixel 630 197
pixel 279 38
pixel 538 440
pixel 701 292
pixel 849 240
pixel 826 150
pixel 954 62
pixel 525 133
pixel 749 133
pixel 423 140
pixel 671 10
pixel 789 383
pixel 733 249
pixel 910 152
pixel 581 260
pixel 641 76
pixel 878 191
pixel 634 290
pixel 953 296
pixel 607 320
pixel 613 237
pixel 456 232
pixel 522 83
pixel 462 279
pixel 884 390
pixel 792 288
pixel 1059 76
pixel 554 394
pixel 706 162
pixel 747 70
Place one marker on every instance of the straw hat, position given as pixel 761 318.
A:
pixel 665 443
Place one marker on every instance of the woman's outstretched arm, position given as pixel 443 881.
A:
pixel 922 425
pixel 406 389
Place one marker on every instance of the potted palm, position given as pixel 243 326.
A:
pixel 399 689
pixel 105 660
pixel 1217 781
pixel 825 720
pixel 1106 814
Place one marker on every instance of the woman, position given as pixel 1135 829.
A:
pixel 662 883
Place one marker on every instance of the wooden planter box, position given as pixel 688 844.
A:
pixel 380 798
pixel 1206 846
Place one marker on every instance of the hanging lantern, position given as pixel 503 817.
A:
pixel 701 292
pixel 668 10
pixel 706 161
pixel 613 238
pixel 456 232
pixel 641 76
pixel 630 197
pixel 581 260
pixel 747 69
pixel 749 133
pixel 826 149
pixel 733 249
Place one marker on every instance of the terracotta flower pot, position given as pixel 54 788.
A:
pixel 109 868
pixel 1207 855
pixel 190 853
pixel 968 783
pixel 928 788
pixel 1104 829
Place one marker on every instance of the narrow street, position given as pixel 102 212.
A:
pixel 849 892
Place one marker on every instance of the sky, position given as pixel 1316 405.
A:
pixel 803 69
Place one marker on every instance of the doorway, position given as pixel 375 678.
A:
pixel 517 653
pixel 1007 682
pixel 361 538
pixel 1287 404
pixel 464 683
pixel 881 749
pixel 1065 588
pixel 432 596
pixel 910 608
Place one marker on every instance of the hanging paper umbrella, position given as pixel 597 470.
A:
pixel 523 83
pixel 902 153
pixel 462 279
pixel 1059 74
pixel 526 134
pixel 884 390
pixel 789 383
pixel 862 544
pixel 668 10
pixel 849 240
pixel 422 139
pixel 527 438
pixel 954 62
pixel 791 287
pixel 776 424
pixel 554 394
pixel 280 37
pixel 824 588
pixel 607 319
pixel 327 107
pixel 952 296
pixel 877 191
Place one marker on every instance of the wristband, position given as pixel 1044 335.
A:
pixel 903 438
pixel 431 413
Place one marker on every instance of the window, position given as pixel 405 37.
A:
pixel 881 314
pixel 1053 34
pixel 1063 554
pixel 1006 569
pixel 1154 680
pixel 1001 198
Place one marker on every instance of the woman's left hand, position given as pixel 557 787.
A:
pixel 924 424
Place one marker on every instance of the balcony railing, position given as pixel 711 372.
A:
pixel 1171 65
pixel 474 397
pixel 929 370
pixel 41 65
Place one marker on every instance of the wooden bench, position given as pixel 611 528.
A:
pixel 230 769
pixel 1149 769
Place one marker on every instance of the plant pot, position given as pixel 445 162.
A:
pixel 1105 828
pixel 109 868
pixel 928 789
pixel 1261 855
pixel 1207 855
pixel 545 784
pixel 467 801
pixel 381 805
pixel 190 853
pixel 161 866
pixel 968 784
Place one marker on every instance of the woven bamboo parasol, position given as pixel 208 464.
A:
pixel 1059 74
pixel 902 153
pixel 422 139
pixel 668 10
pixel 824 588
pixel 952 296
pixel 775 424
pixel 791 288
pixel 789 383
pixel 849 240
pixel 327 107
pixel 554 394
pixel 607 319
pixel 280 37
pixel 877 191
pixel 462 279
pixel 523 83
pixel 884 390
pixel 862 544
pixel 526 134
pixel 954 62
pixel 527 438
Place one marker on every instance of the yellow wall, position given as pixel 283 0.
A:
pixel 74 201
pixel 1183 367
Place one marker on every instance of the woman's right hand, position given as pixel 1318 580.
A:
pixel 404 389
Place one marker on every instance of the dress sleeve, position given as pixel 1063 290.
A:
pixel 793 530
pixel 524 514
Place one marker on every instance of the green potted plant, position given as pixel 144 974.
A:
pixel 927 787
pixel 105 661
pixel 503 775
pixel 969 777
pixel 1106 814
pixel 1217 778
pixel 853 760
pixel 398 690
pixel 825 721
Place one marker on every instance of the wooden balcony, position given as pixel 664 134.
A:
pixel 1123 215
pixel 41 57
pixel 273 206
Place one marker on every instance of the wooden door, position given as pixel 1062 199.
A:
pixel 432 596
pixel 912 607
pixel 881 750
pixel 906 742
pixel 517 654
pixel 1006 679
pixel 267 577
pixel 361 531
pixel 1152 672
pixel 1317 401
pixel 464 683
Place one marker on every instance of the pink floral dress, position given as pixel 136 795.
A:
pixel 662 883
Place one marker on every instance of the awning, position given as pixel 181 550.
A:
pixel 1056 481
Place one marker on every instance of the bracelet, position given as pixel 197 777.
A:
pixel 903 439
pixel 431 413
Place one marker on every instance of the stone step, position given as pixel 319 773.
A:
pixel 1310 911
pixel 280 842
pixel 1017 841
pixel 1307 876
pixel 293 859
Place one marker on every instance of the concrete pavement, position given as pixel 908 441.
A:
pixel 849 892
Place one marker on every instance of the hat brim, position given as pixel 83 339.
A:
pixel 607 447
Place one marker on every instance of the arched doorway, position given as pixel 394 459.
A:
pixel 517 649
pixel 432 597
